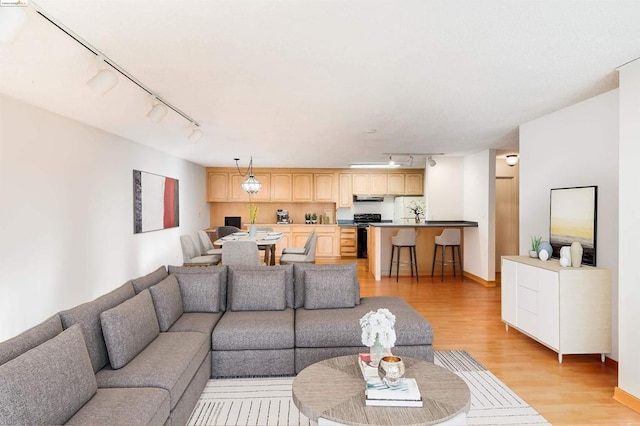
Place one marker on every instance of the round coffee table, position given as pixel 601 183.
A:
pixel 334 389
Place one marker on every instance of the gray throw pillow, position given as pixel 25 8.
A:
pixel 258 291
pixel 288 274
pixel 150 279
pixel 167 300
pixel 200 292
pixel 300 268
pixel 328 289
pixel 49 383
pixel 129 328
pixel 220 270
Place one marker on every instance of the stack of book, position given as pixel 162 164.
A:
pixel 377 393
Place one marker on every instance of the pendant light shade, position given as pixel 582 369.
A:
pixel 251 184
pixel 105 80
pixel 157 112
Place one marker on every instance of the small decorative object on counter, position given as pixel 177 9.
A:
pixel 378 333
pixel 391 370
pixel 576 254
pixel 544 250
pixel 417 209
pixel 535 243
pixel 253 215
pixel 565 256
pixel 314 218
pixel 307 218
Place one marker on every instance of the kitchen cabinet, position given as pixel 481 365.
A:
pixel 217 186
pixel 302 187
pixel 345 196
pixel 281 187
pixel 414 184
pixel 395 183
pixel 361 183
pixel 348 241
pixel 324 187
pixel 378 183
pixel 237 193
pixel 565 309
pixel 327 244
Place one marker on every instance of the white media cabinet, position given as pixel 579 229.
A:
pixel 565 309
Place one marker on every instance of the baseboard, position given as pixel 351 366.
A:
pixel 626 399
pixel 480 280
pixel 611 363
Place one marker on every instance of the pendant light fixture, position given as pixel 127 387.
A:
pixel 512 160
pixel 251 185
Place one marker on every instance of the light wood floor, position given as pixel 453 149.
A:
pixel 466 315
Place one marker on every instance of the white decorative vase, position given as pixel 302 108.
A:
pixel 576 254
pixel 565 256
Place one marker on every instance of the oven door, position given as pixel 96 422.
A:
pixel 362 240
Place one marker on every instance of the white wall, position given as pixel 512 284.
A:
pixel 444 189
pixel 628 272
pixel 479 206
pixel 576 146
pixel 66 213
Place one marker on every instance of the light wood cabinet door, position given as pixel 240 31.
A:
pixel 345 198
pixel 237 193
pixel 302 187
pixel 348 241
pixel 281 187
pixel 378 183
pixel 361 183
pixel 395 183
pixel 324 184
pixel 413 184
pixel 217 186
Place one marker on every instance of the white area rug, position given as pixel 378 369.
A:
pixel 267 401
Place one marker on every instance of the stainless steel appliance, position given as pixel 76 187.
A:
pixel 282 217
pixel 362 220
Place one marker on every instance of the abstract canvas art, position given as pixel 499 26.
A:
pixel 156 204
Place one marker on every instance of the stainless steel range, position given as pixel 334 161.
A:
pixel 362 220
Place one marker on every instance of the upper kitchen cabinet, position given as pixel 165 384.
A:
pixel 281 187
pixel 302 187
pixel 217 186
pixel 414 184
pixel 378 184
pixel 361 183
pixel 345 196
pixel 237 193
pixel 324 187
pixel 395 183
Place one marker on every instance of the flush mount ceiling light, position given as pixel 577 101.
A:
pixel 512 160
pixel 196 133
pixel 12 22
pixel 157 111
pixel 431 161
pixel 251 184
pixel 105 79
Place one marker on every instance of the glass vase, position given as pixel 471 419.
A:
pixel 377 351
pixel 417 218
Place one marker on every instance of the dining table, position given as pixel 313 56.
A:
pixel 266 241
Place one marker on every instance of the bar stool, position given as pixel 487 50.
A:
pixel 404 238
pixel 450 237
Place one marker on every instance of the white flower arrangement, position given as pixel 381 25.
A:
pixel 378 325
pixel 416 208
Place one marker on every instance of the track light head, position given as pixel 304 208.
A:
pixel 12 22
pixel 104 80
pixel 157 112
pixel 196 133
pixel 431 161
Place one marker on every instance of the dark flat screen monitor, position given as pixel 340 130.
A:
pixel 233 221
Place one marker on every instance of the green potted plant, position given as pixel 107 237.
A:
pixel 314 218
pixel 307 218
pixel 535 244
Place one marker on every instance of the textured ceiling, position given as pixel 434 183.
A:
pixel 299 83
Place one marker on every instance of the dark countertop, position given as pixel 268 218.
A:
pixel 430 224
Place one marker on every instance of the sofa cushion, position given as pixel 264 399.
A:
pixel 257 290
pixel 328 289
pixel 87 316
pixel 288 273
pixel 124 406
pixel 49 383
pixel 298 275
pixel 222 270
pixel 202 322
pixel 341 327
pixel 30 338
pixel 250 330
pixel 167 301
pixel 169 362
pixel 152 278
pixel 200 292
pixel 129 328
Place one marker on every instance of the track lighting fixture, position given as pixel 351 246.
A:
pixel 512 160
pixel 391 162
pixel 158 111
pixel 431 161
pixel 104 80
pixel 196 133
pixel 12 22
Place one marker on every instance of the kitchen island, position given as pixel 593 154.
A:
pixel 379 245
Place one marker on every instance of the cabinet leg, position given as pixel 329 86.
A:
pixel 506 327
pixel 560 358
pixel 602 357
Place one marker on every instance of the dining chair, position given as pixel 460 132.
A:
pixel 308 257
pixel 223 231
pixel 206 246
pixel 240 253
pixel 300 250
pixel 191 255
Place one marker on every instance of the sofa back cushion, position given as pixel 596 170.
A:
pixel 129 328
pixel 49 383
pixel 288 275
pixel 257 290
pixel 298 275
pixel 220 271
pixel 167 301
pixel 87 316
pixel 200 292
pixel 29 339
pixel 152 278
pixel 328 289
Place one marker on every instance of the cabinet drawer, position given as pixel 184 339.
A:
pixel 528 300
pixel 528 277
pixel 528 322
pixel 347 243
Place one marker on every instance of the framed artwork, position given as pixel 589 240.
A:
pixel 574 218
pixel 156 202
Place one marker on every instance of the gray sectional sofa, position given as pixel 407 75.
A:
pixel 142 353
